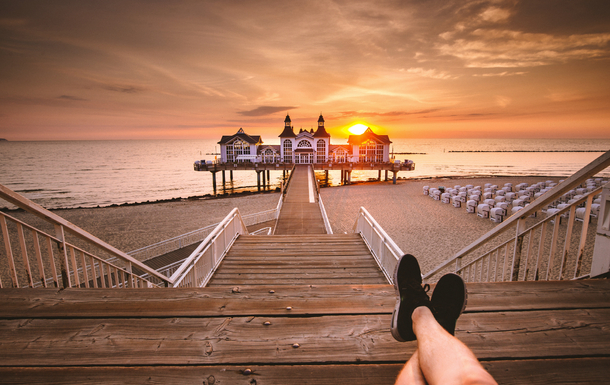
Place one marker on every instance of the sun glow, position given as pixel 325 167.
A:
pixel 357 129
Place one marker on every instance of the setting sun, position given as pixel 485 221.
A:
pixel 357 129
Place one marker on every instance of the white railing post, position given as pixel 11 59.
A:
pixel 601 253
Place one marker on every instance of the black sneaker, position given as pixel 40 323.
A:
pixel 449 300
pixel 410 294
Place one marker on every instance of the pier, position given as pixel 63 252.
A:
pixel 263 170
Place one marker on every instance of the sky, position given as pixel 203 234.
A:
pixel 180 69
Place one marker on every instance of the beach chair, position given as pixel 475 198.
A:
pixel 474 198
pixel 456 201
pixel 497 214
pixel 469 186
pixel 515 209
pixel 426 190
pixel 471 206
pixel 580 212
pixel 490 202
pixel 500 198
pixel 488 195
pixel 483 210
pixel 510 197
pixel 508 187
pixel 500 193
pixel 518 202
pixel 446 198
pixel 436 194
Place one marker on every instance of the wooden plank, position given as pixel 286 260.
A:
pixel 523 372
pixel 306 299
pixel 247 340
pixel 538 295
pixel 210 301
pixel 296 281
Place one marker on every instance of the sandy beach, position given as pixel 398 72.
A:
pixel 428 229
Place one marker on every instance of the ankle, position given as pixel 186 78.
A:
pixel 421 312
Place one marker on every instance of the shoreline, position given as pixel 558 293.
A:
pixel 254 191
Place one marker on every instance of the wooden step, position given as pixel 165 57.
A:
pixel 524 332
pixel 298 260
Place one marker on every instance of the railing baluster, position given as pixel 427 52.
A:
pixel 554 240
pixel 583 235
pixel 102 276
pixel 540 249
pixel 497 267
pixel 24 253
pixel 488 267
pixel 568 241
pixel 530 243
pixel 505 268
pixel 85 275
pixel 52 261
pixel 63 248
pixel 74 267
pixel 93 272
pixel 9 252
pixel 41 273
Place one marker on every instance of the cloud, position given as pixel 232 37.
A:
pixel 493 48
pixel 124 89
pixel 431 73
pixel 70 97
pixel 265 110
pixel 503 101
pixel 368 114
pixel 501 74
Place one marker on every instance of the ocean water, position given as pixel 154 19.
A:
pixel 68 174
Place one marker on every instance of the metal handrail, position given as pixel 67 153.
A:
pixel 518 219
pixel 327 226
pixel 61 226
pixel 492 273
pixel 198 268
pixel 385 251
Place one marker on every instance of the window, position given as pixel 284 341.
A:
pixel 371 151
pixel 287 151
pixel 236 148
pixel 321 155
pixel 304 143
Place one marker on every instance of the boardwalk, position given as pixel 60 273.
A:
pixel 524 333
pixel 300 212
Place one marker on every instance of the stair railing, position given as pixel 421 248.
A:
pixel 199 267
pixel 77 267
pixel 327 226
pixel 500 254
pixel 383 248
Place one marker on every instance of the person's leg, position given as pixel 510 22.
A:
pixel 444 359
pixel 411 373
pixel 441 358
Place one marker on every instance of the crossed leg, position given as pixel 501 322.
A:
pixel 440 358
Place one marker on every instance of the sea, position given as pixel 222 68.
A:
pixel 72 174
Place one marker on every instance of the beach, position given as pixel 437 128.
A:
pixel 428 229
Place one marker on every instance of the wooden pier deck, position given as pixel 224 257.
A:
pixel 523 332
pixel 300 212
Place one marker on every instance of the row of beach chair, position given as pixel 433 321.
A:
pixel 496 203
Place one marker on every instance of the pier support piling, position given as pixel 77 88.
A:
pixel 214 181
pixel 258 180
pixel 223 178
pixel 394 178
pixel 379 176
pixel 386 175
pixel 231 174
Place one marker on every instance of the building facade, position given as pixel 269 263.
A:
pixel 306 147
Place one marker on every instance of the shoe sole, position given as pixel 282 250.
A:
pixel 453 280
pixel 394 328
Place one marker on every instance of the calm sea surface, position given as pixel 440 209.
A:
pixel 100 173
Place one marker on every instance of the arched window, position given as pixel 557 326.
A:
pixel 236 148
pixel 304 143
pixel 287 151
pixel 370 151
pixel 321 154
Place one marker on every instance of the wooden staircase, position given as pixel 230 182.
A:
pixel 298 260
